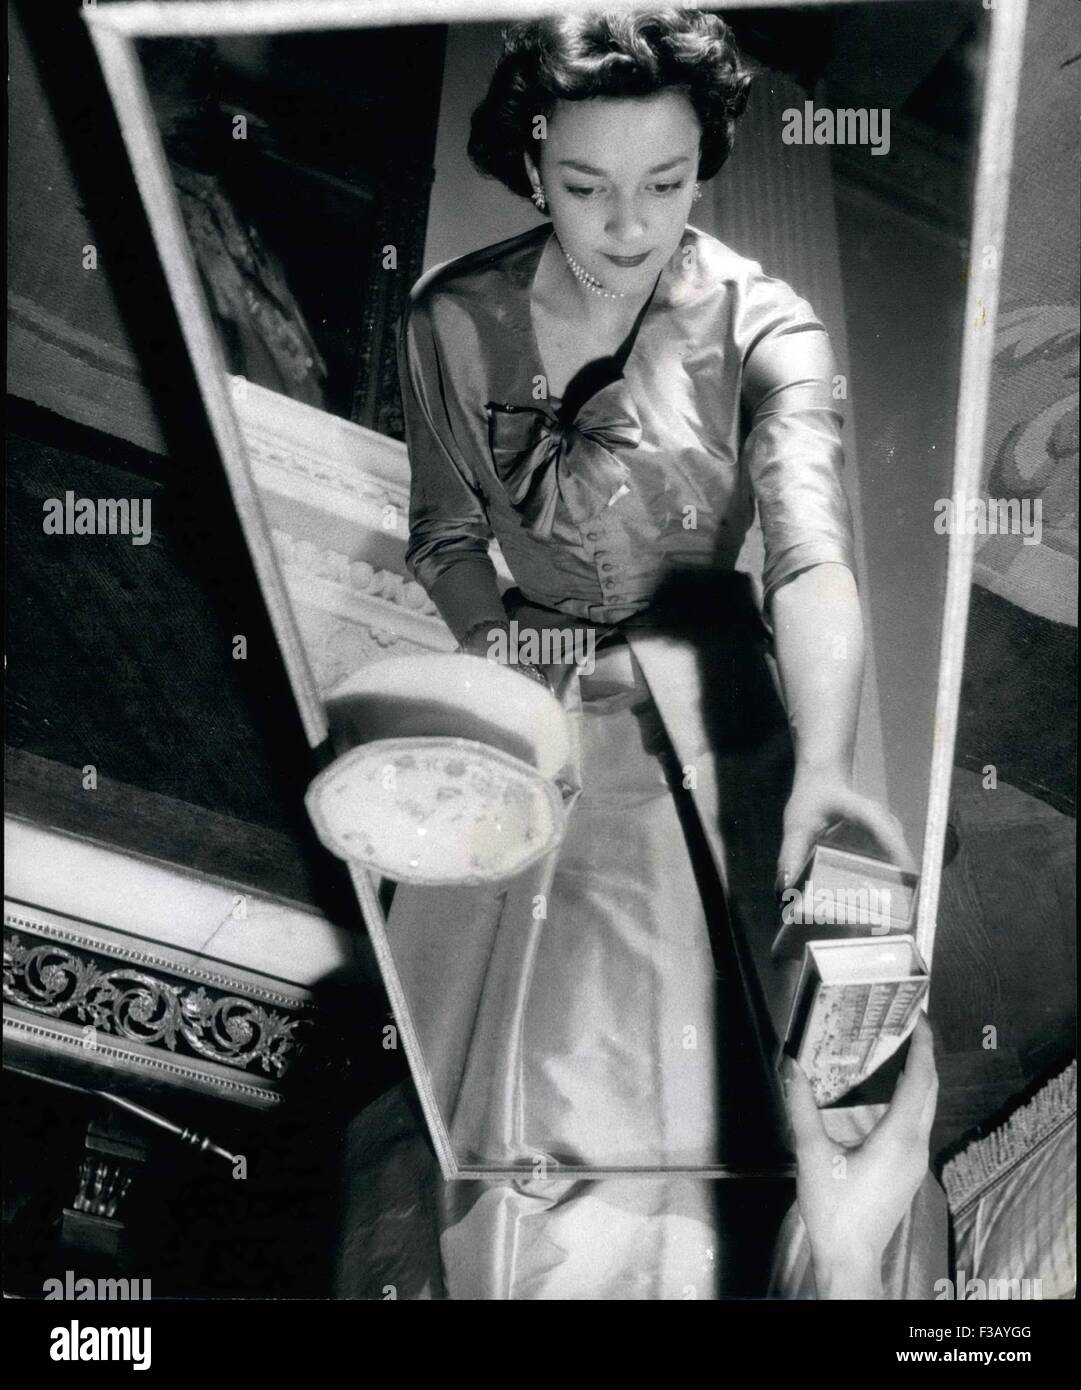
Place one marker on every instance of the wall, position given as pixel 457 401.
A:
pixel 467 210
pixel 91 331
pixel 904 296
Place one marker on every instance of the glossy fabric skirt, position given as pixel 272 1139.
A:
pixel 617 994
pixel 606 1029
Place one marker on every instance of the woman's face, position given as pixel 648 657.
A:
pixel 619 176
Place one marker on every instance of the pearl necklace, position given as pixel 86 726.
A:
pixel 590 282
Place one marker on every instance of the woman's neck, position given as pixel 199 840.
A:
pixel 559 292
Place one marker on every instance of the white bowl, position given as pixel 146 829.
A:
pixel 449 774
pixel 436 810
pixel 450 695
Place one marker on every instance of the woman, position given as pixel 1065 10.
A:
pixel 612 396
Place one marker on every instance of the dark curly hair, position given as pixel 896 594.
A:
pixel 634 54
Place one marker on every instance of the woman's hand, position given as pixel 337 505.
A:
pixel 492 641
pixel 483 640
pixel 853 1199
pixel 820 799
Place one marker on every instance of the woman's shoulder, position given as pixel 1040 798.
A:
pixel 477 274
pixel 710 267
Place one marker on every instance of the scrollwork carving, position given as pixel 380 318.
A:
pixel 55 981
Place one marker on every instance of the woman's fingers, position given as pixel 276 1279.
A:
pixel 796 847
pixel 912 1109
pixel 810 815
pixel 808 1131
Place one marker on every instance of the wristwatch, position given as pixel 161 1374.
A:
pixel 527 668
pixel 535 673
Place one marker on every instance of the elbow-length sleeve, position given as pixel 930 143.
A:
pixel 792 451
pixel 448 519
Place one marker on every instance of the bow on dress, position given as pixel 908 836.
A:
pixel 540 460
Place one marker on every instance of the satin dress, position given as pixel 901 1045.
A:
pixel 612 1029
pixel 725 405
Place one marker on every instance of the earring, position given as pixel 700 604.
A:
pixel 539 200
pixel 697 193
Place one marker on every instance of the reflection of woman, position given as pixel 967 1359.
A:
pixel 611 396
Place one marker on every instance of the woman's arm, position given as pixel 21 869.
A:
pixel 818 630
pixel 794 458
pixel 447 550
pixel 449 530
pixel 469 602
